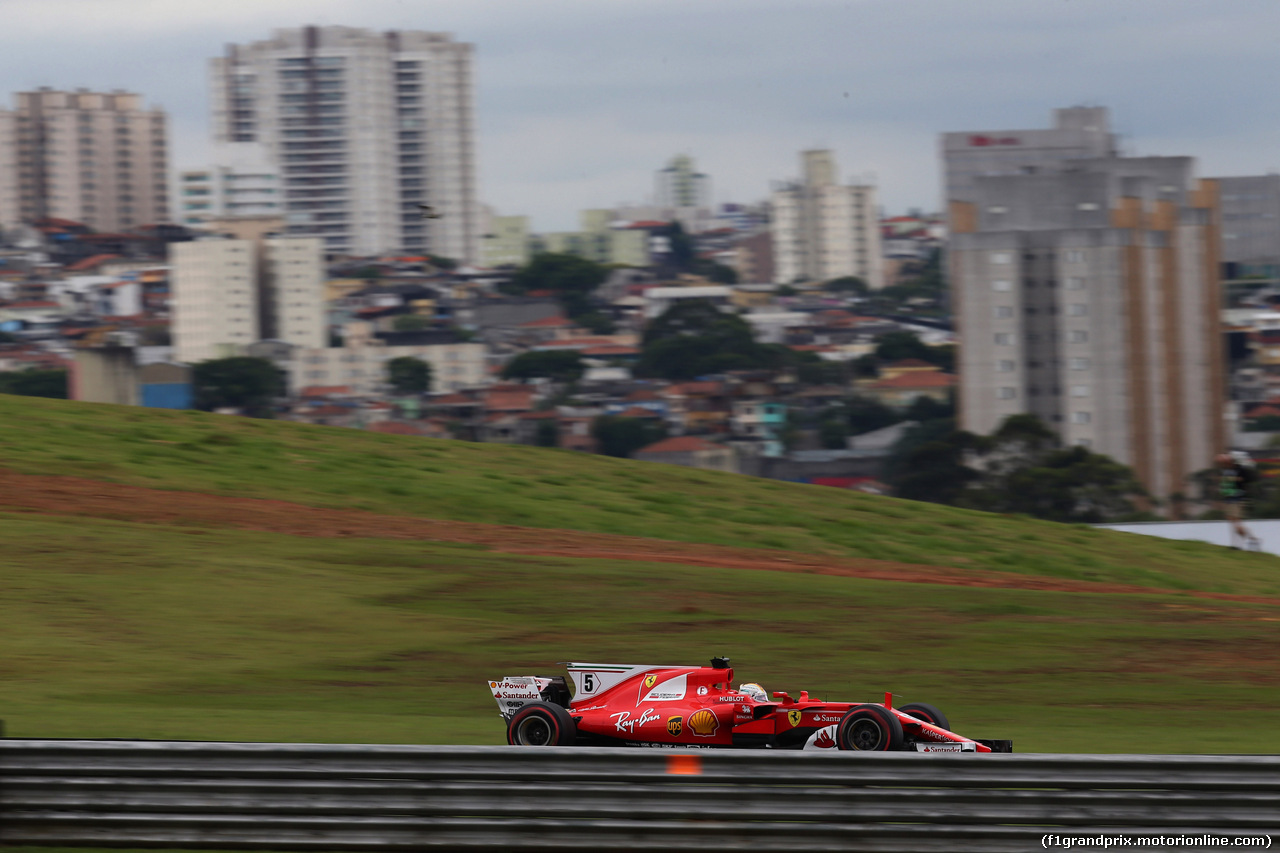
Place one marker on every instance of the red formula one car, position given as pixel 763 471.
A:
pixel 696 706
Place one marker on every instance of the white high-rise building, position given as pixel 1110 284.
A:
pixel 365 126
pixel 824 230
pixel 247 285
pixel 241 181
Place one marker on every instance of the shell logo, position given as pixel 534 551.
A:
pixel 493 685
pixel 793 717
pixel 703 723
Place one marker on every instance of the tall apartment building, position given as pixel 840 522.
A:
pixel 250 284
pixel 681 185
pixel 241 181
pixel 1077 133
pixel 365 127
pixel 91 157
pixel 1088 295
pixel 824 230
pixel 1251 225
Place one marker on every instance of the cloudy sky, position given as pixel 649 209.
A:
pixel 579 102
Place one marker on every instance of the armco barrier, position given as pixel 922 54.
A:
pixel 354 797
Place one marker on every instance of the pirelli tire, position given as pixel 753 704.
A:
pixel 929 713
pixel 870 728
pixel 541 724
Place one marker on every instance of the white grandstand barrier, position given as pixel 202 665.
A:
pixel 366 797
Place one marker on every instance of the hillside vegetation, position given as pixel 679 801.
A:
pixel 130 628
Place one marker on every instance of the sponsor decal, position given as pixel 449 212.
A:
pixel 731 698
pixel 929 735
pixel 656 745
pixel 793 717
pixel 668 691
pixel 741 712
pixel 702 691
pixel 825 718
pixel 512 704
pixel 516 694
pixel 703 723
pixel 824 738
pixel 946 747
pixel 584 710
pixel 623 722
pixel 675 725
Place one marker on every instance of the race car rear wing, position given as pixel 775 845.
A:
pixel 513 692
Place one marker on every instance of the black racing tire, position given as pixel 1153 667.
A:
pixel 929 713
pixel 870 728
pixel 541 724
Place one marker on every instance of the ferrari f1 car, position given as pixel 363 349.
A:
pixel 696 706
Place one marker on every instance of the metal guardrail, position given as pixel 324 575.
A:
pixel 355 797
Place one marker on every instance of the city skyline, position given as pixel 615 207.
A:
pixel 578 104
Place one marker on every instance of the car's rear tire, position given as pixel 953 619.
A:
pixel 929 713
pixel 869 728
pixel 541 724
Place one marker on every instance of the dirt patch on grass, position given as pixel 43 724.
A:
pixel 75 496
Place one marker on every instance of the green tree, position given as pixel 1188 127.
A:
pixel 35 383
pixel 409 375
pixel 621 437
pixel 241 382
pixel 442 263
pixel 547 434
pixel 847 284
pixel 557 365
pixel 410 323
pixel 867 414
pixel 833 434
pixel 571 278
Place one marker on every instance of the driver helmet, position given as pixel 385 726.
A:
pixel 755 691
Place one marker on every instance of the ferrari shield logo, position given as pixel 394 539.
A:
pixel 793 717
pixel 649 681
pixel 675 725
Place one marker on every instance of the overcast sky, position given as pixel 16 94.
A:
pixel 579 102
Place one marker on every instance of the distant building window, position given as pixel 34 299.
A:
pixel 1079 390
pixel 1078 309
pixel 1075 283
pixel 1003 339
pixel 1005 365
pixel 1077 336
pixel 1086 205
pixel 1003 312
pixel 1083 442
pixel 1078 363
pixel 1006 393
pixel 1001 257
pixel 1074 256
pixel 1002 285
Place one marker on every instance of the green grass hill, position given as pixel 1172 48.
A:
pixel 115 624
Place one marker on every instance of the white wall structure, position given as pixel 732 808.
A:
pixel 229 293
pixel 242 180
pixel 365 126
pixel 362 368
pixel 214 299
pixel 823 230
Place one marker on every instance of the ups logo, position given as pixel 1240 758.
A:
pixel 675 725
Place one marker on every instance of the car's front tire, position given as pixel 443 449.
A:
pixel 869 728
pixel 541 724
pixel 929 713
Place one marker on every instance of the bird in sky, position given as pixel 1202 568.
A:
pixel 428 212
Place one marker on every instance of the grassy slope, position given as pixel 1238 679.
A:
pixel 130 630
pixel 540 488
